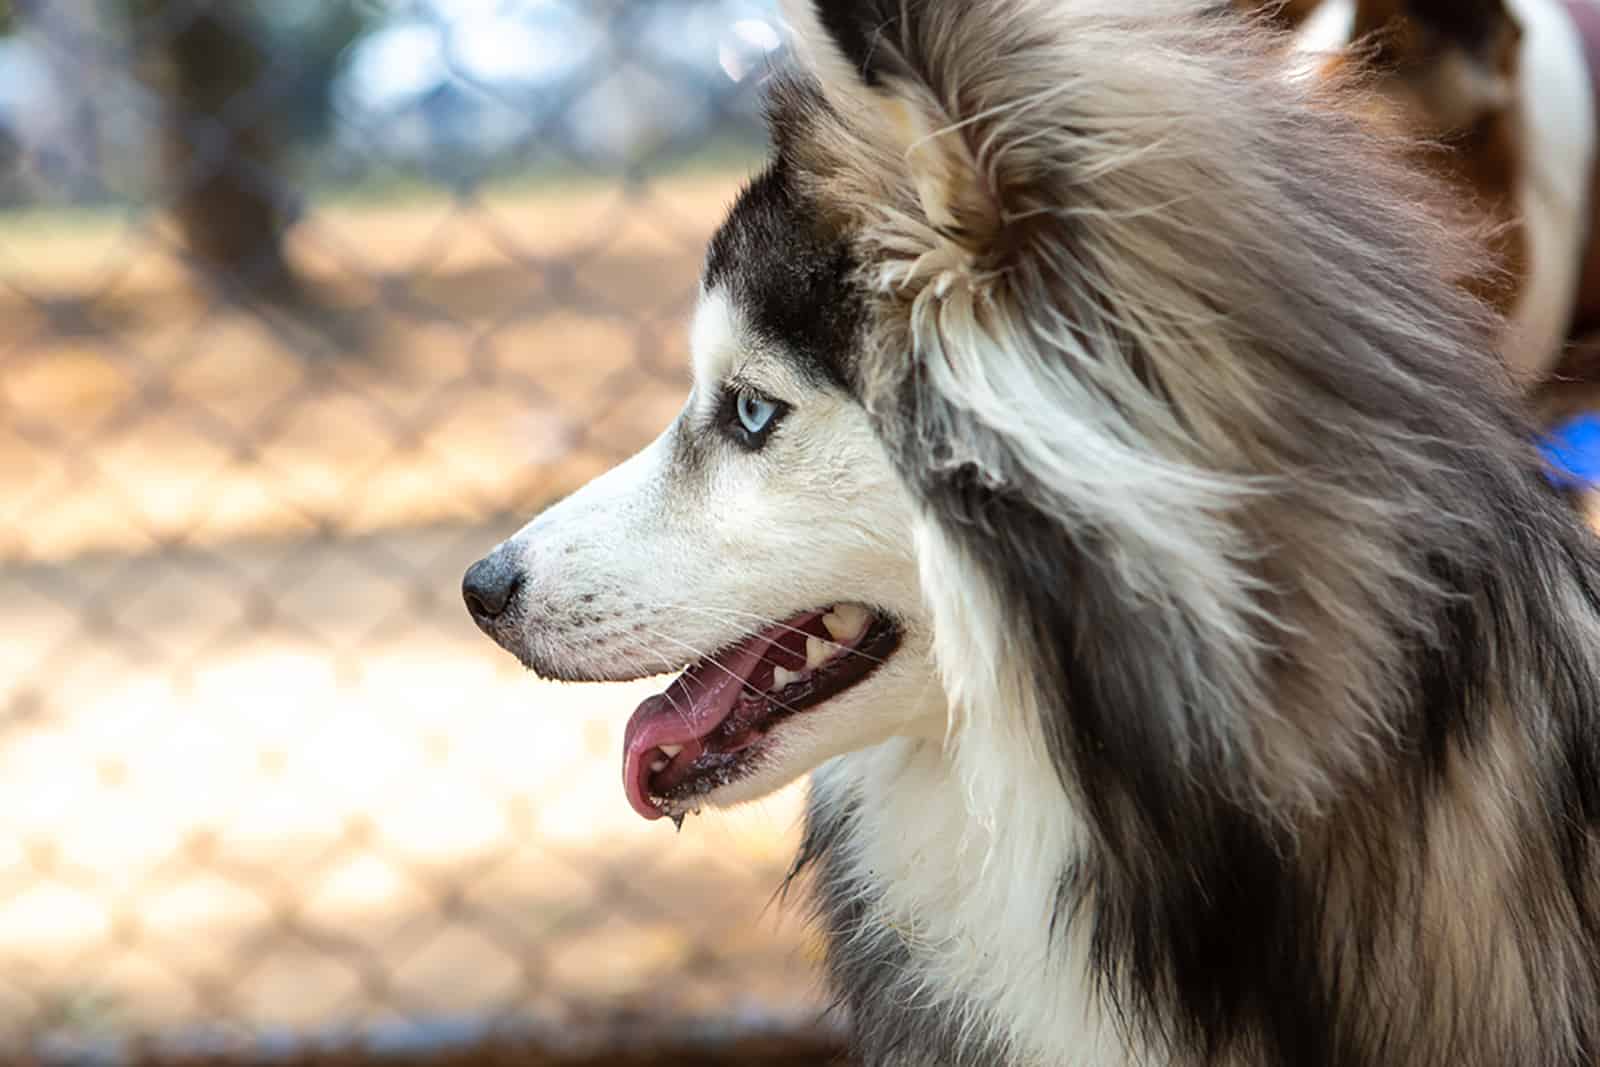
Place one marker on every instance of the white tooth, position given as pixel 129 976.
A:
pixel 658 766
pixel 782 678
pixel 671 751
pixel 845 622
pixel 817 652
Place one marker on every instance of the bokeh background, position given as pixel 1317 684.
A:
pixel 304 305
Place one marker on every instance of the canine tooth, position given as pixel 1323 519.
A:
pixel 817 652
pixel 671 751
pixel 845 622
pixel 782 678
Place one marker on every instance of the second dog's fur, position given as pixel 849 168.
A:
pixel 1502 100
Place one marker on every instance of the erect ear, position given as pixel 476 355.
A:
pixel 893 68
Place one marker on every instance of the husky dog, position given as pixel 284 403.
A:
pixel 1093 476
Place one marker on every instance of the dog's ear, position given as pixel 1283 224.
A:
pixel 1460 54
pixel 894 67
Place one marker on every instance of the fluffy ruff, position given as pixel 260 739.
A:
pixel 1272 663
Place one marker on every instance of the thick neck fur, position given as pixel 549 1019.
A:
pixel 1445 916
pixel 1272 661
pixel 956 936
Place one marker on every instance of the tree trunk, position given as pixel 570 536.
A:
pixel 220 145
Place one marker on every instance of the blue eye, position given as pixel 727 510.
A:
pixel 749 418
pixel 756 413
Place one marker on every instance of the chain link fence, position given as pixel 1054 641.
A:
pixel 304 304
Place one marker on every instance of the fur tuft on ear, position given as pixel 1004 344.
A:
pixel 879 61
pixel 1090 236
pixel 1164 345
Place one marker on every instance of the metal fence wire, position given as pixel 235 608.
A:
pixel 304 304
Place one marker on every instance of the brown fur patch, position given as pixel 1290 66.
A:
pixel 1482 164
pixel 1586 315
pixel 1329 725
pixel 1424 84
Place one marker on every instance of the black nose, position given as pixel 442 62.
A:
pixel 489 586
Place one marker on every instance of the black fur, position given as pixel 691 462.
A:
pixel 788 274
pixel 1209 923
pixel 866 958
pixel 858 27
pixel 1206 919
pixel 1472 24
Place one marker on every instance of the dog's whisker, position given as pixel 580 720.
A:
pixel 675 669
pixel 764 622
pixel 703 658
pixel 672 700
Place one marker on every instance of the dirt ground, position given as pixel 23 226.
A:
pixel 352 809
pixel 791 1050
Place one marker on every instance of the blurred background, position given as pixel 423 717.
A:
pixel 305 304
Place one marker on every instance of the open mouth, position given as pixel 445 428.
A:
pixel 707 730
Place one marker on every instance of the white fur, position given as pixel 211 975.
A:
pixel 1557 148
pixel 699 556
pixel 773 535
pixel 950 864
pixel 1324 34
pixel 954 861
pixel 1558 153
pixel 961 825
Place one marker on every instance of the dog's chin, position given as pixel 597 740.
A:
pixel 561 661
pixel 733 726
pixel 780 763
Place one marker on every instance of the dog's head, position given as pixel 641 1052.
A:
pixel 1448 65
pixel 1440 68
pixel 763 544
pixel 1054 349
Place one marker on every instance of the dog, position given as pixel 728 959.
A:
pixel 1094 478
pixel 1501 98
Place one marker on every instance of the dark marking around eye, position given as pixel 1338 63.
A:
pixel 790 277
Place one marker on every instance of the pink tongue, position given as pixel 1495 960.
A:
pixel 689 711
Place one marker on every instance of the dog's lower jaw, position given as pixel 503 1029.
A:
pixel 937 875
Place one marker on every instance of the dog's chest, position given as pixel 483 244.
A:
pixel 965 900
